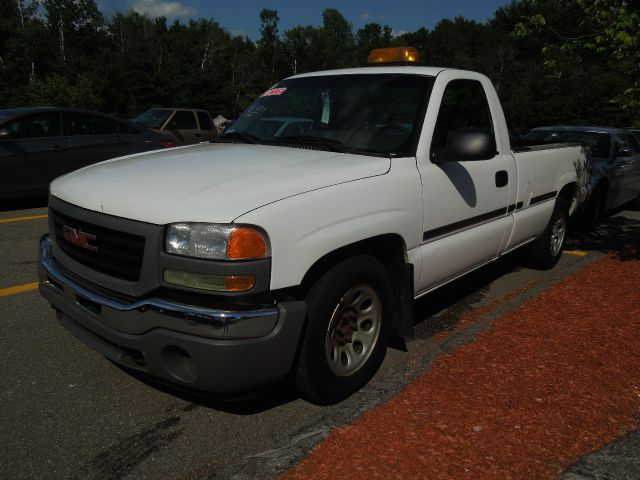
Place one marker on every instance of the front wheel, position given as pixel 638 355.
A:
pixel 547 249
pixel 348 311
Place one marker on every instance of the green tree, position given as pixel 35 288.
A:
pixel 302 46
pixel 372 35
pixel 269 43
pixel 602 31
pixel 337 43
pixel 57 91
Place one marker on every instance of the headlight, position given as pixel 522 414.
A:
pixel 216 242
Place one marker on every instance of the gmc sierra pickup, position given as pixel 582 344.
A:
pixel 291 248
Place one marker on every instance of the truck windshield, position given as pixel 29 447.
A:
pixel 599 143
pixel 369 114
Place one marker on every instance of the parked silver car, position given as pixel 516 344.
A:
pixel 615 174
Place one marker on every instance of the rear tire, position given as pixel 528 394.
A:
pixel 349 313
pixel 547 249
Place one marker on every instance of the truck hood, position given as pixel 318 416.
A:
pixel 208 182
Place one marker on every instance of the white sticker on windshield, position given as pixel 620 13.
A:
pixel 326 108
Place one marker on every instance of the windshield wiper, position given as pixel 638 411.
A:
pixel 329 143
pixel 245 137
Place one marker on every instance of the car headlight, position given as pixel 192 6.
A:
pixel 216 242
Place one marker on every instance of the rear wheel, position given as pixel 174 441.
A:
pixel 547 250
pixel 348 312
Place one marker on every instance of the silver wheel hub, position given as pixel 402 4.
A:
pixel 354 329
pixel 558 231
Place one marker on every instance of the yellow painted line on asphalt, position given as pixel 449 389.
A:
pixel 5 292
pixel 577 253
pixel 22 219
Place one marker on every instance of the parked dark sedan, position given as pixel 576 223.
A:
pixel 615 167
pixel 40 144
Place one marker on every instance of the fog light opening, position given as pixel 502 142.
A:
pixel 179 364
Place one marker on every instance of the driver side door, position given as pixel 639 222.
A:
pixel 465 203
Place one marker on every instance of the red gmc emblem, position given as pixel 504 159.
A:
pixel 79 238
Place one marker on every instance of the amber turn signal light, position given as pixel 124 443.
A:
pixel 214 283
pixel 240 283
pixel 393 55
pixel 246 243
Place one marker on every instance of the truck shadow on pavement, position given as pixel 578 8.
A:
pixel 442 309
pixel 617 235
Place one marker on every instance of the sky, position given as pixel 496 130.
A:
pixel 242 17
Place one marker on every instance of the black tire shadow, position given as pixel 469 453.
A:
pixel 617 235
pixel 244 403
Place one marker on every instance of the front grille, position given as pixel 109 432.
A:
pixel 118 254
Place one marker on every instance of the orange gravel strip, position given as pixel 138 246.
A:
pixel 555 379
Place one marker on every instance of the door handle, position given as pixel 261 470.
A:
pixel 56 148
pixel 198 134
pixel 502 178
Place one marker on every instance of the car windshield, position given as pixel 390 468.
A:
pixel 599 143
pixel 153 118
pixel 370 114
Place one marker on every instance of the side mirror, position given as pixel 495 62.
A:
pixel 467 144
pixel 4 134
pixel 171 126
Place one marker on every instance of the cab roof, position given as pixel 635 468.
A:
pixel 408 69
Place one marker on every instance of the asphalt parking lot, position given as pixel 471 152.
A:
pixel 69 413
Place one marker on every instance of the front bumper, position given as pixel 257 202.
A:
pixel 218 351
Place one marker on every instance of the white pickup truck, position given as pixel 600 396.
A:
pixel 292 248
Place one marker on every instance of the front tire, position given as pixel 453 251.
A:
pixel 349 312
pixel 546 251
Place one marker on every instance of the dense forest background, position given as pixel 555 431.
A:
pixel 552 61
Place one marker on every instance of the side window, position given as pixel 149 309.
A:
pixel 87 124
pixel 205 121
pixel 624 140
pixel 184 120
pixel 36 126
pixel 464 105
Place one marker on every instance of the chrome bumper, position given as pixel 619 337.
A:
pixel 156 312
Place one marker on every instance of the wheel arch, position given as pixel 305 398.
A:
pixel 391 250
pixel 570 193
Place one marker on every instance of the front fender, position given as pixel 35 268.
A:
pixel 304 228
